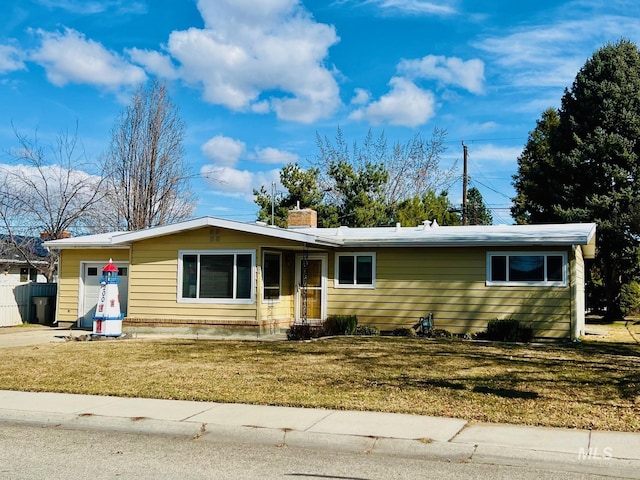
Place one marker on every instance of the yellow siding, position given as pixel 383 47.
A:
pixel 450 283
pixel 279 314
pixel 410 283
pixel 153 278
pixel 70 274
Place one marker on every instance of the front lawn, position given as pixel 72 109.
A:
pixel 588 385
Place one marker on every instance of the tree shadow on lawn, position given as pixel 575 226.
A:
pixel 500 392
pixel 506 392
pixel 606 348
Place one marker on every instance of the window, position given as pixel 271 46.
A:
pixel 216 277
pixel 511 268
pixel 355 270
pixel 28 274
pixel 271 273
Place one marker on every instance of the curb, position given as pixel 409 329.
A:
pixel 445 451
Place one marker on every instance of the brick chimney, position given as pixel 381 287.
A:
pixel 302 218
pixel 47 235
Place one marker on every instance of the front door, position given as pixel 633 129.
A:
pixel 91 273
pixel 311 280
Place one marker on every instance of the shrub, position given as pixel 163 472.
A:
pixel 439 333
pixel 303 331
pixel 404 332
pixel 630 298
pixel 367 330
pixel 508 330
pixel 340 325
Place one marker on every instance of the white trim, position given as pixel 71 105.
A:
pixel 271 300
pixel 227 301
pixel 524 253
pixel 336 280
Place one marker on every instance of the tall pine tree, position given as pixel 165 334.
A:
pixel 592 170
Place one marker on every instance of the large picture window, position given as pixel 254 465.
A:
pixel 515 268
pixel 216 277
pixel 271 274
pixel 355 270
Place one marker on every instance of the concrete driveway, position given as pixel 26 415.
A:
pixel 36 335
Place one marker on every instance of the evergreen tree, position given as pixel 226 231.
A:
pixel 477 211
pixel 302 188
pixel 359 192
pixel 592 171
pixel 429 206
pixel 537 186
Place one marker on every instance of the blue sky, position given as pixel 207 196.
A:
pixel 256 80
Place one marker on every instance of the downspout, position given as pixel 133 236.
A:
pixel 258 283
pixel 573 322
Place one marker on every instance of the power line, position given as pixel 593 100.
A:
pixel 491 188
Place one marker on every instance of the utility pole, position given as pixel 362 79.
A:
pixel 464 184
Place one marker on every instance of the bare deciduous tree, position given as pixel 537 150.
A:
pixel 413 168
pixel 148 178
pixel 47 192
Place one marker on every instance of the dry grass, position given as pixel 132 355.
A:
pixel 622 331
pixel 588 385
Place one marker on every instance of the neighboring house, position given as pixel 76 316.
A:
pixel 213 274
pixel 14 268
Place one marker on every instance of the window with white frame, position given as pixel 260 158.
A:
pixel 355 270
pixel 221 276
pixel 527 268
pixel 271 275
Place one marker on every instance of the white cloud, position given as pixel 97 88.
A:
pixel 223 151
pixel 228 180
pixel 488 126
pixel 69 57
pixel 489 154
pixel 88 7
pixel 237 183
pixel 10 59
pixel 550 55
pixel 154 62
pixel 447 70
pixel 273 155
pixel 361 97
pixel 406 104
pixel 249 47
pixel 415 7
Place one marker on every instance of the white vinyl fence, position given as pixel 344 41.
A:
pixel 26 303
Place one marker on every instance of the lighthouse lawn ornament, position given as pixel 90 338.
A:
pixel 107 320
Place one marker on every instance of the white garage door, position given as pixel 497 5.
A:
pixel 91 273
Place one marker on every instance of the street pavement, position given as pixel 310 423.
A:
pixel 426 437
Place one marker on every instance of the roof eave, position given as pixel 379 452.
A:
pixel 257 229
pixel 84 246
pixel 465 243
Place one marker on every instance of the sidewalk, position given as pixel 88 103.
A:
pixel 435 438
pixel 382 433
